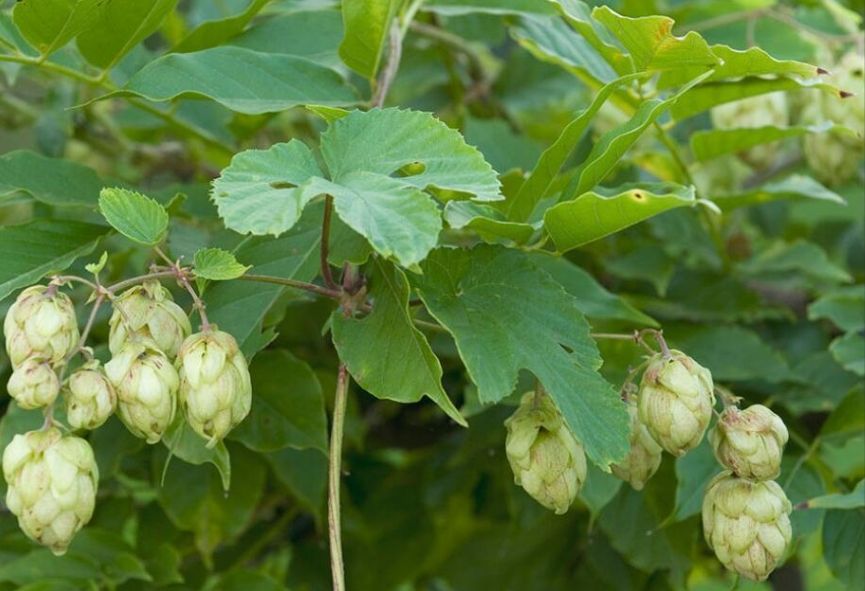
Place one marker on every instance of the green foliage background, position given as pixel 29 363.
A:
pixel 161 96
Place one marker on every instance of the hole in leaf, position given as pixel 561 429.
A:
pixel 282 185
pixel 413 169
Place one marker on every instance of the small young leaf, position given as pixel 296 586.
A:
pixel 134 215
pixel 217 264
pixel 95 268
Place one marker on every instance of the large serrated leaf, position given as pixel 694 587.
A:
pixel 36 249
pixel 136 216
pixel 602 212
pixel 243 80
pixel 506 315
pixel 384 352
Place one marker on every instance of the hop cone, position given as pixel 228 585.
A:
pixel 41 323
pixel 546 458
pixel 756 111
pixel 90 397
pixel 147 314
pixel 146 385
pixel 747 524
pixel 52 485
pixel 34 384
pixel 675 402
pixel 643 458
pixel 215 391
pixel 836 158
pixel 750 442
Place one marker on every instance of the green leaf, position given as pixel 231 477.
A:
pixel 735 63
pixel 600 213
pixel 437 156
pixel 239 307
pixel 313 34
pixel 243 80
pixel 844 545
pixel 490 223
pixel 538 184
pixel 652 46
pixel 549 39
pixel 112 553
pixel 186 444
pixel 800 256
pixel 50 24
pixel 845 307
pixel 706 96
pixel 847 350
pixel 507 315
pixel 303 472
pixel 217 265
pixel 384 352
pixel 461 7
pixel 265 191
pixel 610 148
pixel 592 299
pixel 136 216
pixel 579 16
pixel 795 186
pixel 216 32
pixel 851 500
pixel 42 564
pixel 287 406
pixel 504 149
pixel 122 24
pixel 49 180
pixel 717 142
pixel 367 23
pixel 42 247
pixel 694 470
pixel 194 500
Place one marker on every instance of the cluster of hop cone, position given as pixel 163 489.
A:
pixel 156 365
pixel 745 513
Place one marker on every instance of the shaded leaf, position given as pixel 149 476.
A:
pixel 507 315
pixel 795 186
pixel 42 247
pixel 287 406
pixel 136 216
pixel 845 307
pixel 602 212
pixel 694 470
pixel 844 545
pixel 718 142
pixel 182 441
pixel 366 24
pixel 490 223
pixel 385 353
pixel 805 258
pixel 849 351
pixel 122 24
pixel 50 180
pixel 216 32
pixel 303 472
pixel 851 500
pixel 243 80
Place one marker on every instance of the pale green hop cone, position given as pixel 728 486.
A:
pixel 147 314
pixel 41 323
pixel 146 384
pixel 675 401
pixel 89 397
pixel 34 384
pixel 747 524
pixel 52 485
pixel 644 455
pixel 750 442
pixel 215 389
pixel 546 458
pixel 769 109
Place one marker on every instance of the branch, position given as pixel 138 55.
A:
pixel 334 521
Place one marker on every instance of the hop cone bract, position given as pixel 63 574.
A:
pixel 147 314
pixel 750 442
pixel 89 396
pixel 644 456
pixel 41 323
pixel 34 384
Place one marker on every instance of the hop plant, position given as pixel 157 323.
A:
pixel 756 111
pixel 41 323
pixel 835 158
pixel 215 390
pixel 644 456
pixel 147 314
pixel 146 385
pixel 546 458
pixel 34 384
pixel 52 485
pixel 89 396
pixel 675 401
pixel 747 524
pixel 750 442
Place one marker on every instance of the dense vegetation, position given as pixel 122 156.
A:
pixel 444 295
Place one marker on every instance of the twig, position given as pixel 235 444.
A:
pixel 311 287
pixel 334 522
pixel 388 74
pixel 325 244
